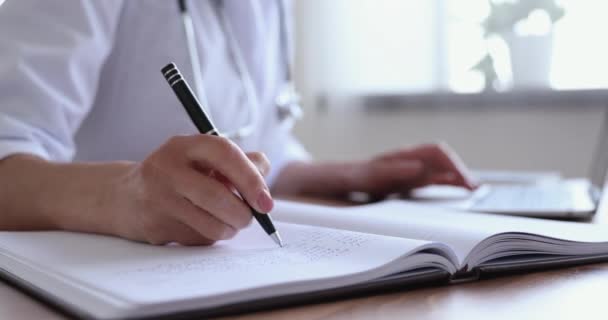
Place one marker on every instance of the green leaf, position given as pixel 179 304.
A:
pixel 486 67
pixel 504 15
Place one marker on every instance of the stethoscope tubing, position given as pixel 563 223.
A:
pixel 290 103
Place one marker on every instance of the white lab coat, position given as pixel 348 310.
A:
pixel 80 80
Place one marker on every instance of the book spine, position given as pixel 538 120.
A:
pixel 465 276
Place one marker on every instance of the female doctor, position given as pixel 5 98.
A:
pixel 92 139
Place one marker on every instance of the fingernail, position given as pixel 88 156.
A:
pixel 264 201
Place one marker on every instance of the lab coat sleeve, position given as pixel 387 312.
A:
pixel 281 150
pixel 51 56
pixel 282 147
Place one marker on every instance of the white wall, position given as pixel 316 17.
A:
pixel 499 138
pixel 537 138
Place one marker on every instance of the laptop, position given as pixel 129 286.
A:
pixel 562 199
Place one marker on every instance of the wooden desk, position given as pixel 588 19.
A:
pixel 572 293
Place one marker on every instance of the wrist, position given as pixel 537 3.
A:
pixel 20 194
pixel 89 198
pixel 355 175
pixel 334 179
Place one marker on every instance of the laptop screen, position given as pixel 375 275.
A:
pixel 599 167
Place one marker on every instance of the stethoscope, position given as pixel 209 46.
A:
pixel 287 101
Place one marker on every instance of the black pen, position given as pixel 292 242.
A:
pixel 204 125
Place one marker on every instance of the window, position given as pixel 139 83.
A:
pixel 572 53
pixel 367 45
pixel 416 46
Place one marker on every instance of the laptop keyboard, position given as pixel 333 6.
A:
pixel 528 197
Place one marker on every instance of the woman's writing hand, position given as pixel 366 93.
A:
pixel 183 192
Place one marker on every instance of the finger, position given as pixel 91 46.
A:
pixel 260 161
pixel 214 197
pixel 223 180
pixel 448 178
pixel 176 231
pixel 224 156
pixel 441 159
pixel 189 237
pixel 165 230
pixel 457 174
pixel 447 161
pixel 204 223
pixel 400 154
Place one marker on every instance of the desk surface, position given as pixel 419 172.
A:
pixel 578 292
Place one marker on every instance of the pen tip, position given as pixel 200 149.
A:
pixel 277 239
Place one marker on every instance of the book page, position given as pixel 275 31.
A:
pixel 387 218
pixel 462 231
pixel 313 258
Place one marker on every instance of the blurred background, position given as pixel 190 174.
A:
pixel 511 85
pixel 517 85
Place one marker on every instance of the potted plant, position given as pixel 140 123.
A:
pixel 526 26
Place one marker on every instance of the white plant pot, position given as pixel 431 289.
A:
pixel 530 60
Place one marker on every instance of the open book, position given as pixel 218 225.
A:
pixel 330 252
